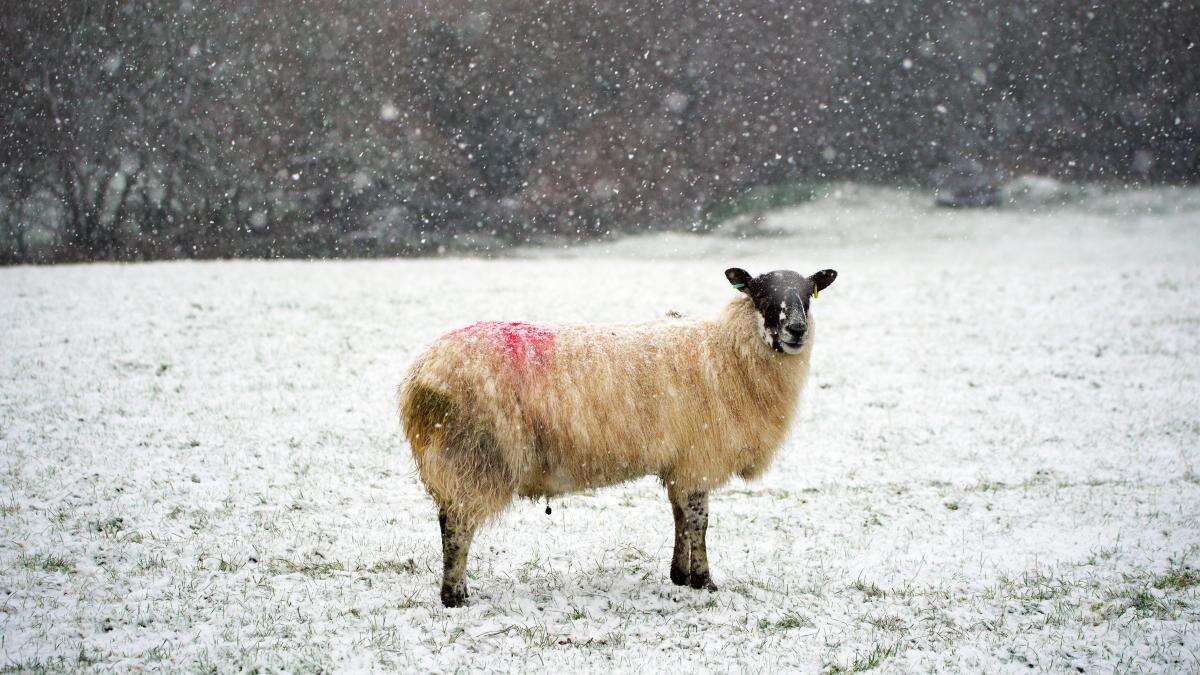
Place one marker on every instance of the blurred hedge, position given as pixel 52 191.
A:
pixel 138 130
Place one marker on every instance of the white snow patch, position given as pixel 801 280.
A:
pixel 996 465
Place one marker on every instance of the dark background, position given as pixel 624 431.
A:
pixel 144 130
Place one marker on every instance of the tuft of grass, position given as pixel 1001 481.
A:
pixel 870 590
pixel 1178 578
pixel 1145 603
pixel 889 623
pixel 865 661
pixel 789 621
pixel 873 658
pixel 1145 596
pixel 1036 586
pixel 536 635
pixel 393 566
pixel 1101 555
pixel 51 665
pixel 114 528
pixel 314 569
pixel 54 664
pixel 991 486
pixel 109 528
pixel 150 562
pixel 46 562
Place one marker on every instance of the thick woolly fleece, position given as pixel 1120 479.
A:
pixel 497 410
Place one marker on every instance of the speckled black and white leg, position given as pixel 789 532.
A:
pixel 681 561
pixel 696 515
pixel 456 542
pixel 689 564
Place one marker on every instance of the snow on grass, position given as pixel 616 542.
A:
pixel 997 466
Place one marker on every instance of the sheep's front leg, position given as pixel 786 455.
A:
pixel 696 514
pixel 681 561
pixel 689 565
pixel 456 542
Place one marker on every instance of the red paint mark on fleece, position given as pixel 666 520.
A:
pixel 524 344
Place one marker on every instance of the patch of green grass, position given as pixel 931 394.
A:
pixel 613 639
pixel 789 621
pixel 1178 578
pixel 110 527
pixel 865 661
pixel 775 493
pixel 873 658
pixel 46 562
pixel 1102 554
pixel 1145 603
pixel 1145 596
pixel 114 528
pixel 890 623
pixel 1036 585
pixel 150 562
pixel 536 635
pixel 54 664
pixel 868 589
pixel 759 199
pixel 393 566
pixel 314 569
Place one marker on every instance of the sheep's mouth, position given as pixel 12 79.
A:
pixel 791 347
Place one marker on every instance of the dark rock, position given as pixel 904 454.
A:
pixel 967 183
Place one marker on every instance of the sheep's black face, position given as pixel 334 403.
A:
pixel 782 300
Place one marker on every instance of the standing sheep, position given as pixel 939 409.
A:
pixel 496 410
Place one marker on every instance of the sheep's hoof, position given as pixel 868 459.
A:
pixel 679 577
pixel 702 583
pixel 455 596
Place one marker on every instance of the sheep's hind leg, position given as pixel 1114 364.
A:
pixel 456 542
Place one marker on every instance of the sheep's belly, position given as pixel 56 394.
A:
pixel 562 480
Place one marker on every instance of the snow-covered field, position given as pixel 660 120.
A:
pixel 997 466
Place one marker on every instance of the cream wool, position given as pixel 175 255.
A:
pixel 497 410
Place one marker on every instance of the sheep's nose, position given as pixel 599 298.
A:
pixel 797 329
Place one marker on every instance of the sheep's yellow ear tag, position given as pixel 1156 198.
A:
pixel 816 293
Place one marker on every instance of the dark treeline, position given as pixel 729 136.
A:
pixel 141 130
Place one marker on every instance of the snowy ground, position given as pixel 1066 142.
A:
pixel 997 466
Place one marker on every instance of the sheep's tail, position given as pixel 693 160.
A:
pixel 457 455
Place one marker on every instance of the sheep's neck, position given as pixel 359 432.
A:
pixel 771 375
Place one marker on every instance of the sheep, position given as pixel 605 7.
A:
pixel 496 410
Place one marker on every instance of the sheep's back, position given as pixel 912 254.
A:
pixel 571 405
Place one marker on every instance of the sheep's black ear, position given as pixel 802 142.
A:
pixel 739 278
pixel 821 280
